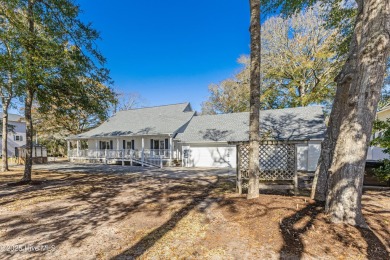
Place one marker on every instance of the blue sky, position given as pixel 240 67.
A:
pixel 170 51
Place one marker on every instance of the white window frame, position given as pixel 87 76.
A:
pixel 18 138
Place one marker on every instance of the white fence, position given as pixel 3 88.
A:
pixel 37 151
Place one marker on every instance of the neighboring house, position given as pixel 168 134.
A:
pixel 374 153
pixel 161 135
pixel 17 137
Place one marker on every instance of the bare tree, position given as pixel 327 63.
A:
pixel 128 100
pixel 298 66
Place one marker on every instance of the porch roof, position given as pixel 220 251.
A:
pixel 143 121
pixel 301 123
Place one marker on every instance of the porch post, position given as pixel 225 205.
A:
pixel 97 149
pixel 117 148
pixel 123 157
pixel 238 170
pixel 131 152
pixel 142 152
pixel 170 150
pixel 296 187
pixel 105 156
pixel 78 148
pixel 68 145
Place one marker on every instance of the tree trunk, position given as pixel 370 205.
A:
pixel 358 91
pixel 29 96
pixel 254 118
pixel 320 183
pixel 301 95
pixel 4 143
pixel 29 136
pixel 7 95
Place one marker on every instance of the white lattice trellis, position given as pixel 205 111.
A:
pixel 277 161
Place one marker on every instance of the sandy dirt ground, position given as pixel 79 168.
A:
pixel 115 212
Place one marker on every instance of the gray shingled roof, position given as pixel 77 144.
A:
pixel 302 123
pixel 143 121
pixel 13 117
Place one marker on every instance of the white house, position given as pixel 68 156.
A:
pixel 169 134
pixel 16 137
pixel 144 136
pixel 374 154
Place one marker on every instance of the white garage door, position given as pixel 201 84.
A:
pixel 222 156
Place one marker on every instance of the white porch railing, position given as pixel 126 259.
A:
pixel 147 156
pixel 157 153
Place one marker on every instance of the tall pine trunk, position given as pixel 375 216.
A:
pixel 254 118
pixel 341 169
pixel 7 95
pixel 29 136
pixel 4 148
pixel 29 95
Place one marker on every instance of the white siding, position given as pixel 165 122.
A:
pixel 313 156
pixel 308 155
pixel 92 144
pixel 20 130
pixel 302 155
pixel 376 153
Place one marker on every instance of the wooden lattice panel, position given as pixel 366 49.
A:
pixel 277 161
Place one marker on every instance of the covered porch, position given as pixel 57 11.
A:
pixel 155 151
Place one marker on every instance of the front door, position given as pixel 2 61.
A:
pixel 162 144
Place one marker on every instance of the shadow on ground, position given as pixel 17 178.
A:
pixel 71 208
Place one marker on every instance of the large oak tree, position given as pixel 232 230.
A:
pixel 344 151
pixel 339 176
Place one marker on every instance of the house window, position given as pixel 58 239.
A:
pixel 106 145
pixel 128 145
pixel 18 138
pixel 154 144
pixel 159 144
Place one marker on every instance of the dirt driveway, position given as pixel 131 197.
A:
pixel 115 212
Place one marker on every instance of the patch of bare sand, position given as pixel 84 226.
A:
pixel 97 216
